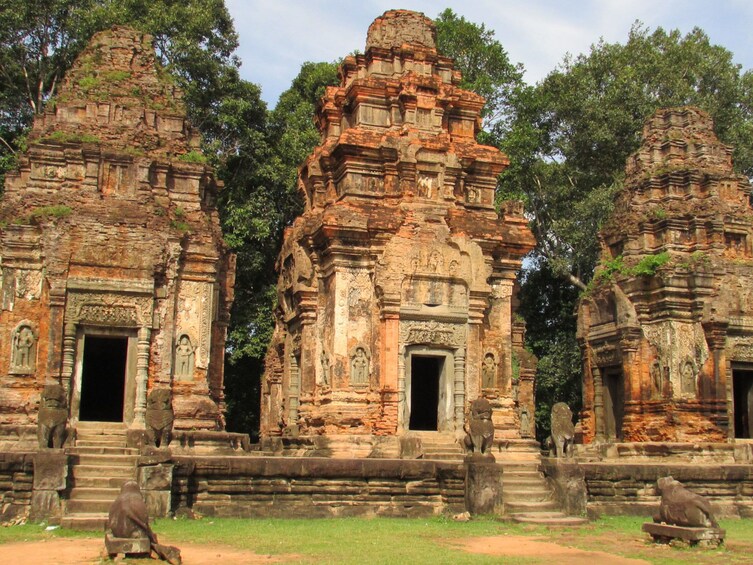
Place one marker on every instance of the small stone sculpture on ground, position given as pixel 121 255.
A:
pixel 128 528
pixel 159 417
pixel 480 436
pixel 684 516
pixel 680 507
pixel 53 415
pixel 563 430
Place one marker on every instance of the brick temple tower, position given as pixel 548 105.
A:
pixel 667 332
pixel 396 284
pixel 115 279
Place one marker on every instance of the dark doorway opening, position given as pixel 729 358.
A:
pixel 614 403
pixel 425 374
pixel 103 378
pixel 742 392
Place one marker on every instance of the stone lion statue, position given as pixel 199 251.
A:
pixel 53 415
pixel 680 507
pixel 563 430
pixel 129 519
pixel 480 431
pixel 159 417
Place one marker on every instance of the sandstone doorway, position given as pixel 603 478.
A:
pixel 103 378
pixel 742 393
pixel 614 403
pixel 428 391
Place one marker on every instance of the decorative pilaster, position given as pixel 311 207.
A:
pixel 459 388
pixel 142 376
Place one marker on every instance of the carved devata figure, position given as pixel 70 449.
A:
pixel 184 358
pixel 53 414
pixel 480 430
pixel 563 430
pixel 159 417
pixel 359 366
pixel 23 350
pixel 680 507
pixel 325 368
pixel 488 371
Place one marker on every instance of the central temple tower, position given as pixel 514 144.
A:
pixel 396 284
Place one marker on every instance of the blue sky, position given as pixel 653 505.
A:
pixel 277 36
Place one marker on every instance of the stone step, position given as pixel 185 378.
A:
pixel 94 493
pixel 91 521
pixel 526 506
pixel 518 481
pixel 99 428
pixel 548 519
pixel 515 496
pixel 88 506
pixel 106 471
pixel 102 450
pixel 101 441
pixel 108 460
pixel 99 482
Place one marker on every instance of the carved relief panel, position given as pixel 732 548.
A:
pixel 23 359
pixel 194 317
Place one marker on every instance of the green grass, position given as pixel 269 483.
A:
pixel 431 541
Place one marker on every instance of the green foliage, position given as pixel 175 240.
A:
pixel 260 199
pixel 648 266
pixel 193 157
pixel 548 307
pixel 180 226
pixel 43 214
pixel 70 137
pixel 195 39
pixel 573 131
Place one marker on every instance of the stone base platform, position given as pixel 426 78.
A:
pixel 665 533
pixel 129 547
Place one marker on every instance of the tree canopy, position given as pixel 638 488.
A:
pixel 574 130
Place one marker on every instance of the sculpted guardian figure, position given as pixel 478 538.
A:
pixel 480 432
pixel 129 519
pixel 159 417
pixel 53 415
pixel 680 507
pixel 563 429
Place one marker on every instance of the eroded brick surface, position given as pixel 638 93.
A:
pixel 109 229
pixel 400 270
pixel 667 331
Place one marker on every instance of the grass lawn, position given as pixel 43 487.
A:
pixel 432 541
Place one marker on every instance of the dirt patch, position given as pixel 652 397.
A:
pixel 523 546
pixel 89 551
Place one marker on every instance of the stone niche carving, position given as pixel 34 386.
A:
pixel 185 353
pixel 23 360
pixel 687 378
pixel 360 360
pixel 489 371
pixel 326 368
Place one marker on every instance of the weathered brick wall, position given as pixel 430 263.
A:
pixel 312 487
pixel 16 477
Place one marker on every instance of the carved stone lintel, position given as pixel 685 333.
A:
pixel 432 333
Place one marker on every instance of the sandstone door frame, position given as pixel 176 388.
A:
pixel 446 413
pixel 129 395
pixel 741 402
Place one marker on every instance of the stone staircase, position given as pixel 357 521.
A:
pixel 526 494
pixel 438 446
pixel 100 464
